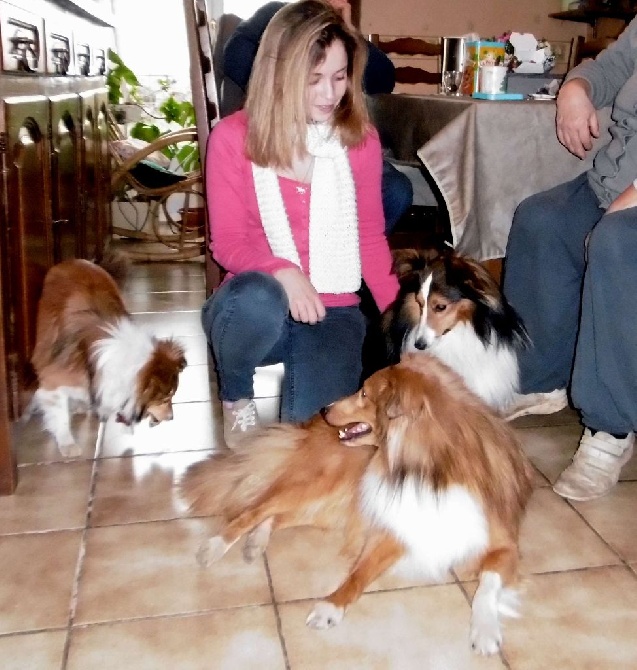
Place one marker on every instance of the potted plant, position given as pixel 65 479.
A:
pixel 123 86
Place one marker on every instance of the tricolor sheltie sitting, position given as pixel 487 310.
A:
pixel 89 354
pixel 450 306
pixel 414 466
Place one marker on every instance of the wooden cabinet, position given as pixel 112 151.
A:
pixel 54 200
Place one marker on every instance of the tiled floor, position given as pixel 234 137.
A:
pixel 99 571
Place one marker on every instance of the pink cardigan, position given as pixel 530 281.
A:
pixel 238 241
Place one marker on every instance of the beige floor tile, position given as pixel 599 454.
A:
pixel 165 301
pixel 195 426
pixel 36 446
pixel 413 629
pixel 34 651
pixel 555 538
pixel 194 385
pixel 196 348
pixel 551 448
pixel 581 620
pixel 150 569
pixel 171 324
pixel 48 497
pixel 143 284
pixel 614 517
pixel 140 488
pixel 241 639
pixel 307 563
pixel 37 579
pixel 165 274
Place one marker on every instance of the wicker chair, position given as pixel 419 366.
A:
pixel 138 179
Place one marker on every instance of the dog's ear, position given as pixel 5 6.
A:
pixel 407 261
pixel 173 353
pixel 399 397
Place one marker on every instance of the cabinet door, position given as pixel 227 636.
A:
pixel 94 143
pixel 103 169
pixel 27 200
pixel 65 176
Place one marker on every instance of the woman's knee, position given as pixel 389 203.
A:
pixel 251 295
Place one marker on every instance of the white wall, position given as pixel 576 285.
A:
pixel 151 37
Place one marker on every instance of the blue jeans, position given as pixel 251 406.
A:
pixel 397 193
pixel 247 324
pixel 578 301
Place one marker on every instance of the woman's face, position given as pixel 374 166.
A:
pixel 327 83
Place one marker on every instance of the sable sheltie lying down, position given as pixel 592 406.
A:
pixel 450 306
pixel 413 466
pixel 89 354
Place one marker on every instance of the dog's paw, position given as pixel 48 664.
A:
pixel 324 615
pixel 257 541
pixel 70 450
pixel 212 550
pixel 252 550
pixel 486 639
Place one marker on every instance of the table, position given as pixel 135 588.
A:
pixel 485 156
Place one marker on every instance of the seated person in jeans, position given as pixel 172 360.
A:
pixel 570 263
pixel 238 58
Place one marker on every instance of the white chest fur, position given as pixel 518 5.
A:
pixel 440 530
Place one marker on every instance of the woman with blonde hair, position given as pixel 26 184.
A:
pixel 293 187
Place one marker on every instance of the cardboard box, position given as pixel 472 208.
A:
pixel 479 53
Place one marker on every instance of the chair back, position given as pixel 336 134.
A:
pixel 417 59
pixel 202 78
pixel 231 95
pixel 589 48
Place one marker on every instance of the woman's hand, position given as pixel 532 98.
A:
pixel 576 119
pixel 304 301
pixel 624 200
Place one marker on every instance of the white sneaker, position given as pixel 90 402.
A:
pixel 239 418
pixel 596 466
pixel 536 403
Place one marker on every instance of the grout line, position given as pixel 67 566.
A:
pixel 79 567
pixel 277 613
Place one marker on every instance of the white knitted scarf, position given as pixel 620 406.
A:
pixel 335 264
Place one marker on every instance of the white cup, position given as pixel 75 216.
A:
pixel 492 79
pixel 451 81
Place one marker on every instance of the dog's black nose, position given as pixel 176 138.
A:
pixel 420 344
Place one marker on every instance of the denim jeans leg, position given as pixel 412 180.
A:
pixel 397 193
pixel 243 321
pixel 604 386
pixel 323 362
pixel 543 273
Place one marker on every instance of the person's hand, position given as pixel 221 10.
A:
pixel 576 118
pixel 304 301
pixel 624 200
pixel 344 9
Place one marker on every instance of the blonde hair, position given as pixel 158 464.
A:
pixel 293 44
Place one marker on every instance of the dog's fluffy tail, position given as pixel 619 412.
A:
pixel 117 264
pixel 228 482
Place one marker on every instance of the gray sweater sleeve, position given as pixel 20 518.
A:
pixel 611 69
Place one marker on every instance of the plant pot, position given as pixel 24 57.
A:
pixel 193 218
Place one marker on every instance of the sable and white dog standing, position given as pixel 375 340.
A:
pixel 89 354
pixel 449 306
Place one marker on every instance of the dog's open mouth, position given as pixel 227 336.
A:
pixel 354 430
